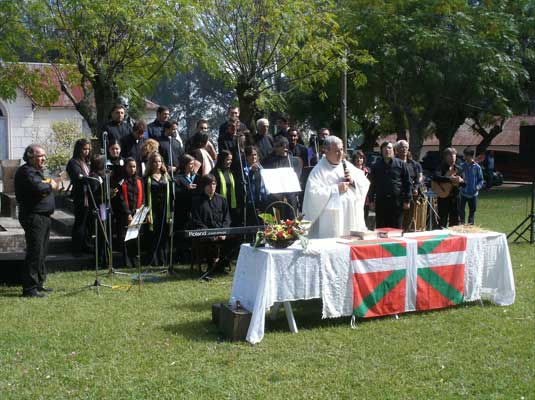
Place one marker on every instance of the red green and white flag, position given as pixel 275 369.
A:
pixel 440 263
pixel 379 270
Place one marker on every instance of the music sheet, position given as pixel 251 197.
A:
pixel 135 225
pixel 280 180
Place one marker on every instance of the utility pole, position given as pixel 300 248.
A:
pixel 343 102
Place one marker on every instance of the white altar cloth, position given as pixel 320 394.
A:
pixel 266 276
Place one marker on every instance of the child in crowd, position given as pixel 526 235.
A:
pixel 473 177
pixel 131 198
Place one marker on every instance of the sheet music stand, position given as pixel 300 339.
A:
pixel 133 233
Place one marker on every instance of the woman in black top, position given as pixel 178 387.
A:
pixel 78 169
pixel 228 185
pixel 97 201
pixel 158 192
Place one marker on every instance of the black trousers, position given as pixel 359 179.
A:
pixel 37 233
pixel 81 228
pixel 388 212
pixel 448 211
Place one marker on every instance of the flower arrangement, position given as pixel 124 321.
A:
pixel 283 233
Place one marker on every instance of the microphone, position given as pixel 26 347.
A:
pixel 82 176
pixel 346 171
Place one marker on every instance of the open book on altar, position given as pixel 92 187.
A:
pixel 389 232
pixel 364 235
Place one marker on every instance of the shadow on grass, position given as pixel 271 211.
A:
pixel 198 331
pixel 307 315
pixel 10 291
pixel 509 192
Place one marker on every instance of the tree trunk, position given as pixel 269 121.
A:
pixel 417 127
pixel 447 121
pixel 399 122
pixel 416 141
pixel 488 136
pixel 371 134
pixel 105 96
pixel 247 97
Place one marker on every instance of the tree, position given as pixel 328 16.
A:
pixel 117 46
pixel 12 74
pixel 193 95
pixel 437 61
pixel 252 43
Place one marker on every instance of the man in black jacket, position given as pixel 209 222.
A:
pixel 390 189
pixel 263 140
pixel 131 144
pixel 210 210
pixel 36 203
pixel 171 147
pixel 117 127
pixel 155 128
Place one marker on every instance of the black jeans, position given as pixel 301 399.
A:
pixel 472 205
pixel 81 228
pixel 388 212
pixel 448 211
pixel 37 233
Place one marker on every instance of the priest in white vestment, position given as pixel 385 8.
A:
pixel 334 196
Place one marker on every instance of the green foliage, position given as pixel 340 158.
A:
pixel 426 64
pixel 439 61
pixel 253 44
pixel 59 144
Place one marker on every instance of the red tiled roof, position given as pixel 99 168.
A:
pixel 465 136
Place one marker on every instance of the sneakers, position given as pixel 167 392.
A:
pixel 33 293
pixel 44 289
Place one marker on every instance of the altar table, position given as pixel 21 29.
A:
pixel 265 277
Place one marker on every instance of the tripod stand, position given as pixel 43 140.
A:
pixel 431 211
pixel 529 221
pixel 98 225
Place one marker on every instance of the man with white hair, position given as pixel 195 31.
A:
pixel 335 194
pixel 263 140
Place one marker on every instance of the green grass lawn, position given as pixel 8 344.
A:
pixel 160 344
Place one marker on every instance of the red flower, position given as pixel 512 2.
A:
pixel 291 231
pixel 280 235
pixel 289 222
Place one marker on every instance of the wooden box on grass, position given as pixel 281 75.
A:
pixel 234 322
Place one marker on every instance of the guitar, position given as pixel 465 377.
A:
pixel 443 189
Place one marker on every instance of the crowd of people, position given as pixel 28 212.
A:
pixel 173 175
pixel 188 182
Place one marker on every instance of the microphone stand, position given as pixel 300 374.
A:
pixel 249 192
pixel 243 183
pixel 317 150
pixel 108 203
pixel 98 224
pixel 292 167
pixel 172 207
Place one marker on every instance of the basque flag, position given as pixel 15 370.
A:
pixel 440 271
pixel 379 277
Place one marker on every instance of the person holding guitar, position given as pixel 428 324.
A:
pixel 445 183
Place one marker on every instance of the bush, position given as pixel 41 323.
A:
pixel 60 143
